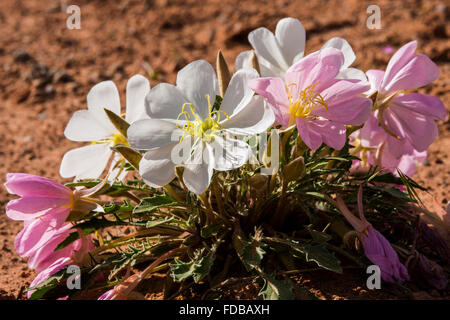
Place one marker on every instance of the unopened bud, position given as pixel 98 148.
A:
pixel 223 73
pixel 253 62
pixel 294 170
pixel 258 182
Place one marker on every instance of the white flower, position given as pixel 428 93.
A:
pixel 183 119
pixel 93 125
pixel 276 53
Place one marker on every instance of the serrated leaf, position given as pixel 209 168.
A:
pixel 324 258
pixel 250 252
pixel 47 285
pixel 39 293
pixel 196 268
pixel 252 255
pixel 311 253
pixel 150 204
pixel 274 289
pixel 154 223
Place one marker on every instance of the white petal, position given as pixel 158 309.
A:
pixel 291 36
pixel 229 153
pixel 344 46
pixel 137 88
pixel 156 166
pixel 196 80
pixel 238 92
pixel 352 73
pixel 165 101
pixel 243 60
pixel 104 95
pixel 86 162
pixel 84 126
pixel 255 117
pixel 199 169
pixel 152 133
pixel 266 46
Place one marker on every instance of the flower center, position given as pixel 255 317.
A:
pixel 308 100
pixel 114 140
pixel 194 126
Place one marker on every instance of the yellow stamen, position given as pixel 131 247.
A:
pixel 195 126
pixel 308 100
pixel 116 138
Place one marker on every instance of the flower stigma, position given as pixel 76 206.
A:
pixel 194 126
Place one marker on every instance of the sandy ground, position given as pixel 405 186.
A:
pixel 46 70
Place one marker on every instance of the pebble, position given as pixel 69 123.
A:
pixel 21 56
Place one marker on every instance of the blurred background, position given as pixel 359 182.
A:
pixel 47 69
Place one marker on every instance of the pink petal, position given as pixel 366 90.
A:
pixel 419 130
pixel 398 61
pixel 320 67
pixel 30 185
pixel 311 138
pixel 275 91
pixel 343 90
pixel 424 104
pixel 418 72
pixel 29 207
pixel 30 235
pixel 375 78
pixel 354 111
pixel 371 134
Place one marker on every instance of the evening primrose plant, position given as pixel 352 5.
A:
pixel 295 162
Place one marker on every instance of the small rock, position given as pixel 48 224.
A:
pixel 62 76
pixel 42 116
pixel 22 56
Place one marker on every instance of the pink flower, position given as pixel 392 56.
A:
pixel 44 207
pixel 40 198
pixel 48 272
pixel 39 248
pixel 407 117
pixel 315 100
pixel 376 248
pixel 372 147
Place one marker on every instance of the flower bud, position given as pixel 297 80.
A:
pixel 294 170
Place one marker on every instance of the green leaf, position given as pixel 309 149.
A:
pixel 150 204
pixel 157 222
pixel 43 287
pixel 196 268
pixel 311 253
pixel 73 236
pixel 209 231
pixel 274 289
pixel 251 252
pixel 324 258
pixel 252 255
pixel 319 236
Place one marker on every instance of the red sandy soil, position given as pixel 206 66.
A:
pixel 46 70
